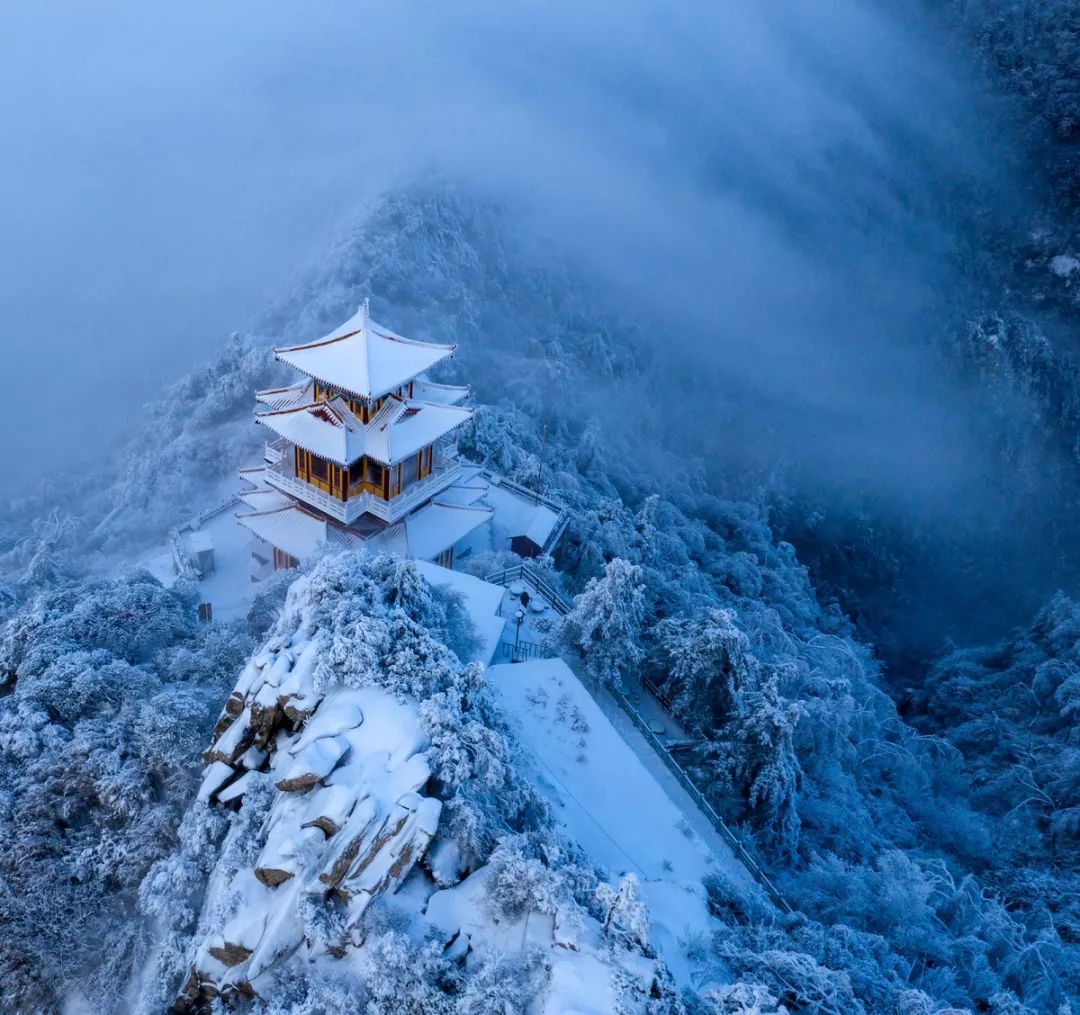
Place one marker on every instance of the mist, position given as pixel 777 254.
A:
pixel 763 189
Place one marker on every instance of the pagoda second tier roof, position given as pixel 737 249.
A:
pixel 423 534
pixel 444 394
pixel 364 358
pixel 303 393
pixel 332 431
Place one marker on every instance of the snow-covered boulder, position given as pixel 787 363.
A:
pixel 378 833
pixel 348 819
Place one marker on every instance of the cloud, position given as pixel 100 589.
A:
pixel 762 185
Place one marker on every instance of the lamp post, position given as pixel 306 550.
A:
pixel 519 616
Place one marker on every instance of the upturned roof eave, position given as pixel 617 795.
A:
pixel 320 452
pixel 374 395
pixel 345 461
pixel 404 455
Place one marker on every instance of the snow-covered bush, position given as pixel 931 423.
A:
pixel 533 873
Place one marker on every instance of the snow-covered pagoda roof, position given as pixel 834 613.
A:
pixel 438 526
pixel 424 534
pixel 444 394
pixel 297 530
pixel 363 358
pixel 331 430
pixel 303 393
pixel 287 398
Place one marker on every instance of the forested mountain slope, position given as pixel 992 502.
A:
pixel 914 893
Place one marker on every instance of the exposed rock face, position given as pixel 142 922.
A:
pixel 348 819
pixel 229 954
pixel 336 808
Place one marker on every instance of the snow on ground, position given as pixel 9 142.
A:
pixel 515 515
pixel 580 977
pixel 482 600
pixel 609 801
pixel 228 587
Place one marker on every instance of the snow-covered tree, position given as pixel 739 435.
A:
pixel 605 624
pixel 755 757
pixel 705 664
pixel 625 913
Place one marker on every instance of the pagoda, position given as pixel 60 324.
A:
pixel 361 452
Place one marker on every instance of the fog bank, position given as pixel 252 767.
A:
pixel 762 187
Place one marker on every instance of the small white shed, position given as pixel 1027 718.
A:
pixel 201 545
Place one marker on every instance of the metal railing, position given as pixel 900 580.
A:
pixel 526 574
pixel 556 533
pixel 536 498
pixel 519 651
pixel 684 780
pixel 655 691
pixel 203 517
pixel 182 561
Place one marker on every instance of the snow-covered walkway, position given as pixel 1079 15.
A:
pixel 612 795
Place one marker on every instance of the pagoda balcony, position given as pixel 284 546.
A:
pixel 281 474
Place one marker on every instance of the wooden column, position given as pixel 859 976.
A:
pixel 282 561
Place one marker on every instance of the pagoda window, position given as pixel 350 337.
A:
pixel 376 478
pixel 318 468
pixel 337 482
pixel 410 470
